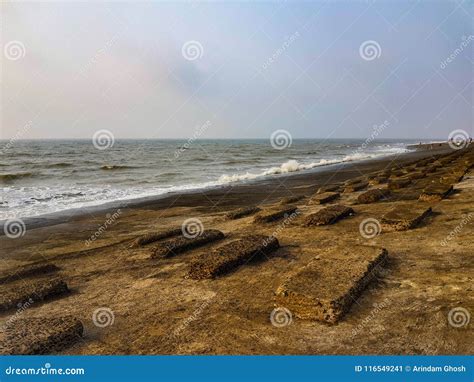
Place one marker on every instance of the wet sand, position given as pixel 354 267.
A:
pixel 146 305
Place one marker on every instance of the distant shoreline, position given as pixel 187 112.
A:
pixel 429 146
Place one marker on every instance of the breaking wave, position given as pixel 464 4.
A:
pixel 294 166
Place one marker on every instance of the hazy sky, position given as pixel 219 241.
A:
pixel 70 69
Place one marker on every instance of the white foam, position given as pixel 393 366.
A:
pixel 21 203
pixel 294 166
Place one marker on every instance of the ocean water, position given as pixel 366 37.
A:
pixel 40 177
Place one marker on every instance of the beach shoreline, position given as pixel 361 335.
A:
pixel 314 177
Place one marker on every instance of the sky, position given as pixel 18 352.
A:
pixel 241 69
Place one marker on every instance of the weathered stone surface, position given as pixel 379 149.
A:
pixel 182 244
pixel 374 195
pixel 20 291
pixel 230 256
pixel 416 175
pixel 356 187
pixel 326 288
pixel 155 236
pixel 378 180
pixel 397 183
pixel 404 217
pixel 242 212
pixel 328 215
pixel 324 197
pixel 32 336
pixel 330 188
pixel 436 192
pixel 26 271
pixel 271 215
pixel 405 194
pixel 291 199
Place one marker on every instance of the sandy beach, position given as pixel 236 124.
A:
pixel 318 291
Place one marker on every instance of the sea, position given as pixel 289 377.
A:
pixel 40 177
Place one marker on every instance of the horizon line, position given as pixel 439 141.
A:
pixel 442 139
